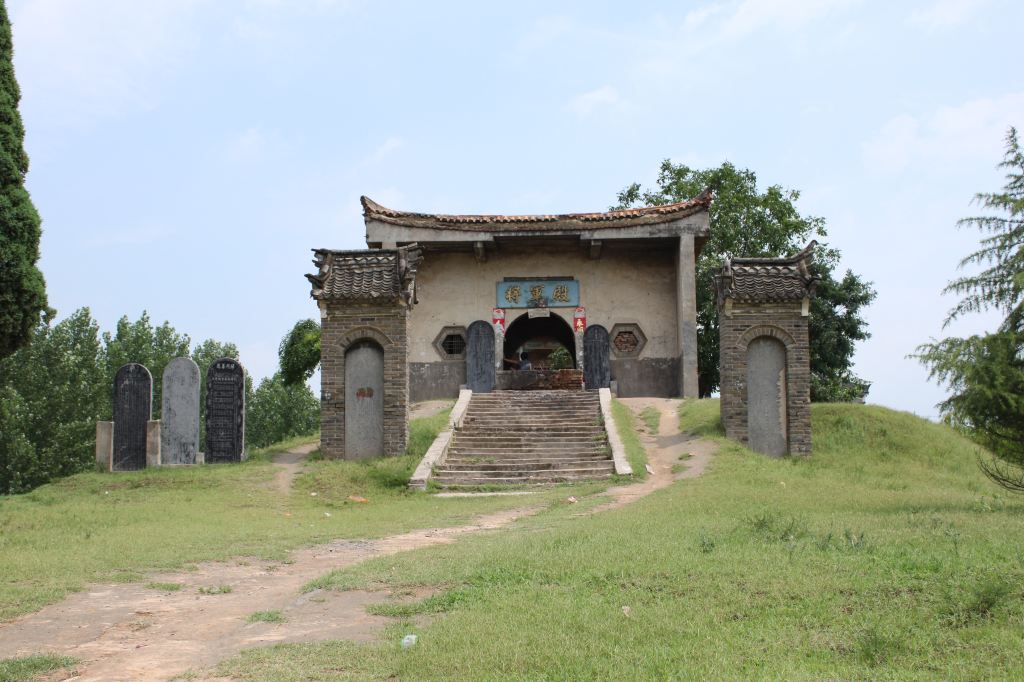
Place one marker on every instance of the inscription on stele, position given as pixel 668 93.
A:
pixel 225 411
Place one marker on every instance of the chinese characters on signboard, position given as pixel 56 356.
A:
pixel 564 293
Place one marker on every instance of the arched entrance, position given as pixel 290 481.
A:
pixel 538 337
pixel 364 400
pixel 766 397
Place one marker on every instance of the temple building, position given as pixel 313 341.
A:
pixel 439 302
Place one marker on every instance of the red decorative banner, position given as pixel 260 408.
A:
pixel 579 320
pixel 498 319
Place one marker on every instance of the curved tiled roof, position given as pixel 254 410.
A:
pixel 365 276
pixel 539 223
pixel 767 280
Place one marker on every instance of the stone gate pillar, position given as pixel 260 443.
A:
pixel 764 360
pixel 364 299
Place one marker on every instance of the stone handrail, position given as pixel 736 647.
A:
pixel 438 450
pixel 622 466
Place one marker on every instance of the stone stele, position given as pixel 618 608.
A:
pixel 225 412
pixel 133 406
pixel 179 414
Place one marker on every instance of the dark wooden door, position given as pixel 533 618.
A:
pixel 480 357
pixel 596 350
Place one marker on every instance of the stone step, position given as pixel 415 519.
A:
pixel 558 465
pixel 498 422
pixel 522 478
pixel 530 429
pixel 483 441
pixel 506 456
pixel 534 408
pixel 463 461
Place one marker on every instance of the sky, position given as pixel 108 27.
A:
pixel 186 155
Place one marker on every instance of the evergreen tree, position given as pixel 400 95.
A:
pixel 986 372
pixel 747 222
pixel 22 289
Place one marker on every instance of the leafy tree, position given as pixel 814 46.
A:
pixel 278 411
pixel 299 352
pixel 54 390
pixel 986 372
pixel 751 223
pixel 22 289
pixel 140 342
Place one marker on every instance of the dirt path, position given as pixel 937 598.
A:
pixel 132 632
pixel 291 463
pixel 664 450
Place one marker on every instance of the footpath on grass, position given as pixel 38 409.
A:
pixel 158 630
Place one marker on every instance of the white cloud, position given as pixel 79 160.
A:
pixel 247 146
pixel 543 33
pixel 945 13
pixel 92 59
pixel 587 103
pixel 390 145
pixel 974 129
pixel 753 15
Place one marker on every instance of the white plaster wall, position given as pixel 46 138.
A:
pixel 620 286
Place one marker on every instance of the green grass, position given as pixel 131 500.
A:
pixel 119 527
pixel 651 417
pixel 265 617
pixel 216 589
pixel 885 555
pixel 165 587
pixel 29 668
pixel 625 422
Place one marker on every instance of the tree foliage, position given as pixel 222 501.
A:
pixel 22 289
pixel 299 352
pixel 747 222
pixel 140 342
pixel 278 411
pixel 54 389
pixel 52 392
pixel 985 373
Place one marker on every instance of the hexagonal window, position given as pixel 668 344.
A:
pixel 627 340
pixel 451 343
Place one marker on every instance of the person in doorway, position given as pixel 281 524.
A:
pixel 524 362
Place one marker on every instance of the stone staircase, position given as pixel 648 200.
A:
pixel 528 437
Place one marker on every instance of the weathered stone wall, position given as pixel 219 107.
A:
pixel 623 285
pixel 741 323
pixel 343 324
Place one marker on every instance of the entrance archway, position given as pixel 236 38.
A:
pixel 364 400
pixel 539 337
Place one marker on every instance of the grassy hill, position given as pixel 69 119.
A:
pixel 886 555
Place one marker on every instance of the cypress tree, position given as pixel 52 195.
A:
pixel 22 289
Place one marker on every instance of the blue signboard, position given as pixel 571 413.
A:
pixel 547 293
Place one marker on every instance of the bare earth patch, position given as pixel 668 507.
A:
pixel 134 632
